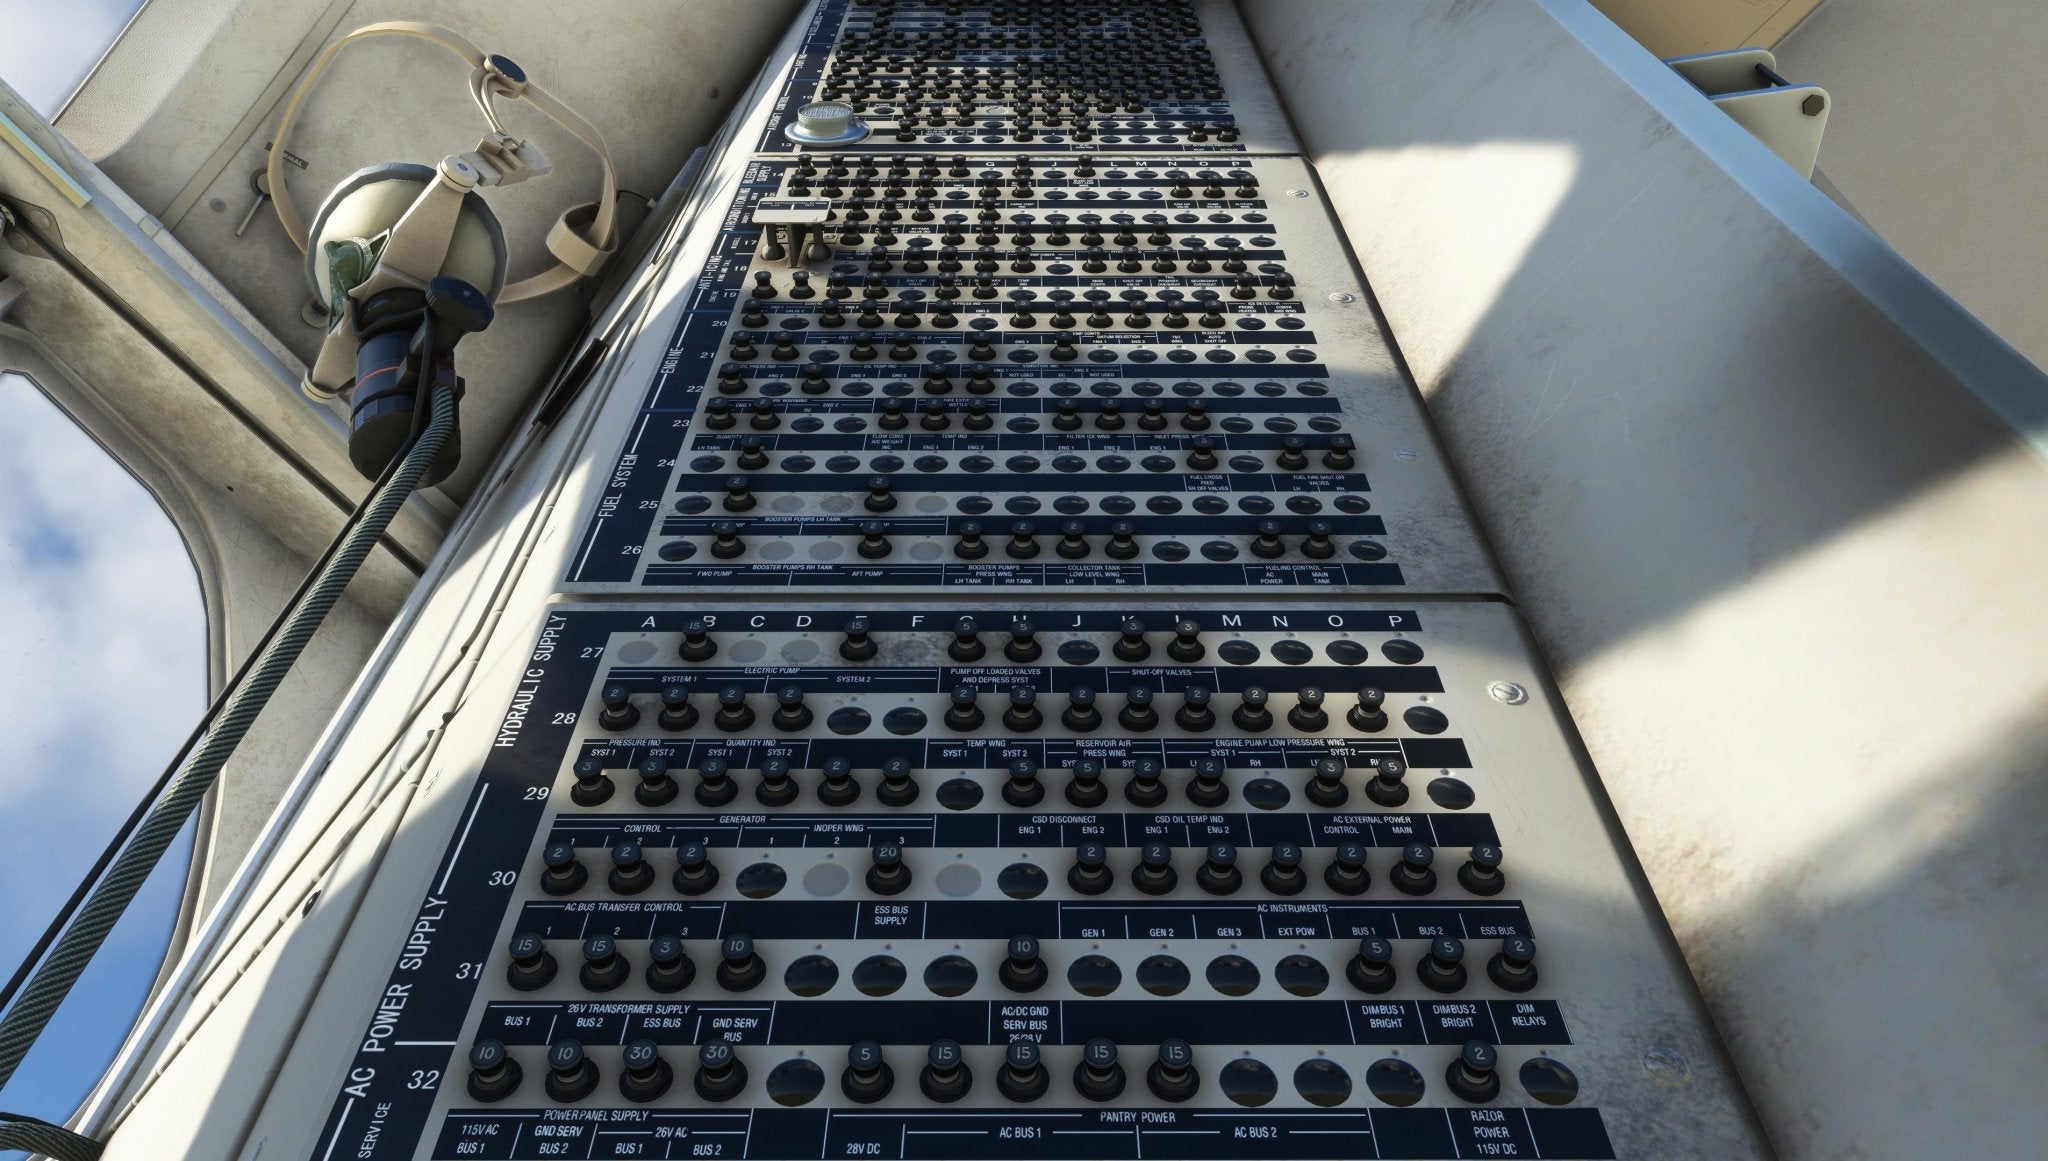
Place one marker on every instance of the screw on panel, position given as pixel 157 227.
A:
pixel 1342 296
pixel 1406 454
pixel 1508 693
pixel 1667 1065
pixel 1297 193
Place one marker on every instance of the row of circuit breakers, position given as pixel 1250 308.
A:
pixel 1027 685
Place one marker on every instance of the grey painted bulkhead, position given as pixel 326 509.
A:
pixel 1773 506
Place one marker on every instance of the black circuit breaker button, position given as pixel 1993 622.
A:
pixel 1023 968
pixel 1173 1077
pixel 1368 714
pixel 1024 1076
pixel 1085 788
pixel 867 1077
pixel 1130 643
pixel 887 873
pixel 1317 545
pixel 1081 716
pixel 1194 714
pixel 964 714
pixel 1386 787
pixel 593 785
pixel 946 1077
pixel 493 1074
pixel 1372 970
pixel 1413 875
pixel 1513 967
pixel 1293 453
pixel 571 1075
pixel 1339 457
pixel 563 873
pixel 698 644
pixel 1442 968
pixel 1308 715
pixel 776 787
pixel 603 967
pixel 1023 646
pixel 669 966
pixel 1099 1077
pixel 966 644
pixel 1251 714
pixel 1347 873
pixel 1072 545
pixel 677 714
pixel 646 1076
pixel 1090 874
pixel 970 546
pixel 740 968
pixel 1326 783
pixel 791 714
pixel 715 785
pixel 720 1074
pixel 1123 544
pixel 898 788
pixel 874 540
pixel 726 543
pixel 858 643
pixel 1138 714
pixel 1155 874
pixel 532 967
pixel 1472 1075
pixel 656 787
pixel 734 714
pixel 619 713
pixel 1023 788
pixel 1219 874
pixel 1207 788
pixel 1023 716
pixel 838 787
pixel 630 873
pixel 881 496
pixel 1481 873
pixel 695 872
pixel 1282 873
pixel 1145 787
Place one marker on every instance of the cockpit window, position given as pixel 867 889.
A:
pixel 49 49
pixel 102 673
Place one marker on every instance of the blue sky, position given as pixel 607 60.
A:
pixel 102 672
pixel 104 667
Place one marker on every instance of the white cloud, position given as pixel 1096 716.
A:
pixel 102 673
pixel 47 47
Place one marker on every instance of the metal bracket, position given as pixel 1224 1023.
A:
pixel 15 214
pixel 1745 84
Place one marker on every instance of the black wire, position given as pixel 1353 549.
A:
pixel 25 1119
pixel 78 896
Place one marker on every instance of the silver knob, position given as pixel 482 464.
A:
pixel 826 123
